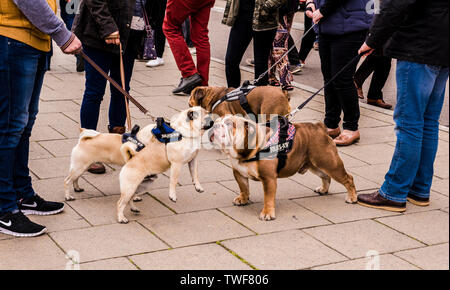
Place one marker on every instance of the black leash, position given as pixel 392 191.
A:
pixel 302 105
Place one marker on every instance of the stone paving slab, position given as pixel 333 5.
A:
pixel 67 220
pixel 429 227
pixel 108 241
pixel 59 148
pixel 428 258
pixel 288 250
pixel 49 168
pixel 386 262
pixel 109 264
pixel 202 257
pixel 31 254
pixel 102 210
pixel 335 209
pixel 53 189
pixel 195 228
pixel 441 185
pixel 289 216
pixel 355 239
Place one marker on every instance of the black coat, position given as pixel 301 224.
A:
pixel 413 30
pixel 99 18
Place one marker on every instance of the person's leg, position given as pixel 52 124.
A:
pixel 160 40
pixel 240 36
pixel 365 70
pixel 200 38
pixel 415 86
pixel 22 179
pixel 283 67
pixel 345 48
pixel 19 64
pixel 293 54
pixel 94 87
pixel 262 45
pixel 176 13
pixel 421 185
pixel 379 78
pixel 332 104
pixel 308 40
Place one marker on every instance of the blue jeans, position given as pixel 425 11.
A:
pixel 420 97
pixel 96 85
pixel 22 70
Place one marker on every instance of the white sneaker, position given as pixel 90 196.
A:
pixel 193 50
pixel 155 62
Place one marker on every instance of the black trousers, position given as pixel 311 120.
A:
pixel 380 66
pixel 307 44
pixel 240 36
pixel 160 38
pixel 336 51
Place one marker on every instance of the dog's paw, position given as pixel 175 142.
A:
pixel 240 201
pixel 137 199
pixel 78 189
pixel 69 198
pixel 351 200
pixel 267 215
pixel 173 197
pixel 123 220
pixel 199 189
pixel 320 190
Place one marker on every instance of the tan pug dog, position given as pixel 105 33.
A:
pixel 312 150
pixel 157 158
pixel 264 100
pixel 107 148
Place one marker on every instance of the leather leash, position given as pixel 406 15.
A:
pixel 122 78
pixel 117 86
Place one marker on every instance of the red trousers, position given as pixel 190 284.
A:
pixel 176 13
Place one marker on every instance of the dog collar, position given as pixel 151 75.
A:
pixel 239 94
pixel 164 133
pixel 131 137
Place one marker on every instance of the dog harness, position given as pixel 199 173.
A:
pixel 131 137
pixel 239 94
pixel 164 133
pixel 279 144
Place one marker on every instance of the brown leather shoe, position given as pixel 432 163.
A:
pixel 375 200
pixel 379 103
pixel 97 168
pixel 116 130
pixel 420 201
pixel 333 133
pixel 347 138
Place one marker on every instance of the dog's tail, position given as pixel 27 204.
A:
pixel 88 134
pixel 128 150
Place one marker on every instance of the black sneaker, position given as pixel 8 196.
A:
pixel 188 84
pixel 18 225
pixel 38 206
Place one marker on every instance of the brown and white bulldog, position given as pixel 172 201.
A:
pixel 312 149
pixel 265 100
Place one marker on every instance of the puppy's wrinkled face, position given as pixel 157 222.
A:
pixel 235 135
pixel 192 122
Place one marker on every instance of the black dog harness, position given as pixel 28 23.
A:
pixel 164 133
pixel 131 137
pixel 239 94
pixel 279 144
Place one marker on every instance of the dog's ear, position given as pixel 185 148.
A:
pixel 197 95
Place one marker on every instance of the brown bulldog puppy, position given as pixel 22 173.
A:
pixel 264 100
pixel 311 149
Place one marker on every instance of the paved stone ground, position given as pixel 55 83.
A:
pixel 205 231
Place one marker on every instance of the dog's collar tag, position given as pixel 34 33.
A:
pixel 131 137
pixel 164 133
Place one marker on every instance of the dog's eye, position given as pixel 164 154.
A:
pixel 192 115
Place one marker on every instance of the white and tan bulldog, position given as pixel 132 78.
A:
pixel 158 157
pixel 312 149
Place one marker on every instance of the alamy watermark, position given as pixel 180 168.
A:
pixel 373 7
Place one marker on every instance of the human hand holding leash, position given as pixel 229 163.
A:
pixel 365 48
pixel 310 8
pixel 317 15
pixel 73 47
